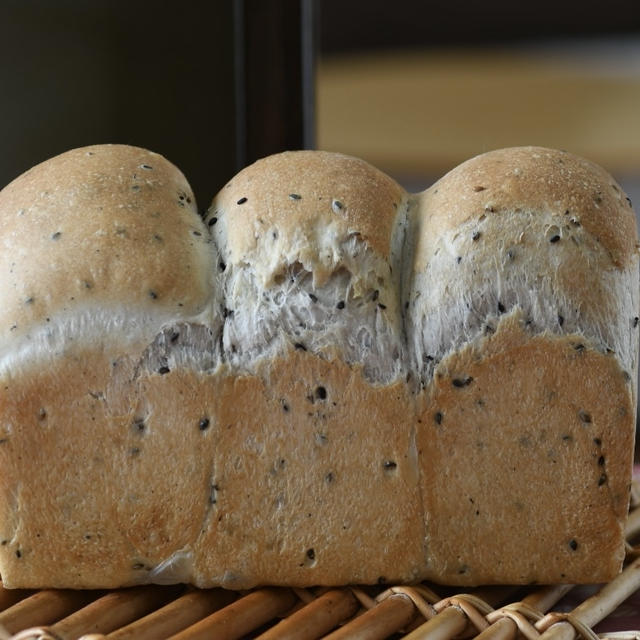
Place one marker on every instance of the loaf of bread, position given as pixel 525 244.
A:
pixel 323 380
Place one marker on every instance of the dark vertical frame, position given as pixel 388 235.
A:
pixel 212 88
pixel 274 93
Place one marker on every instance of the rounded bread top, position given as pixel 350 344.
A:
pixel 531 179
pixel 311 200
pixel 110 225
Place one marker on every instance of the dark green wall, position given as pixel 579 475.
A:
pixel 155 74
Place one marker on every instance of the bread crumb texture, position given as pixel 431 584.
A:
pixel 322 379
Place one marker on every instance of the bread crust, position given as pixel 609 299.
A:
pixel 533 421
pixel 463 411
pixel 103 227
pixel 210 478
pixel 313 200
pixel 533 179
pixel 307 488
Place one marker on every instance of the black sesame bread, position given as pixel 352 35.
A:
pixel 325 380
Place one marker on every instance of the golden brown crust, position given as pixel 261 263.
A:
pixel 309 491
pixel 102 225
pixel 204 464
pixel 99 485
pixel 538 180
pixel 302 194
pixel 527 415
pixel 277 479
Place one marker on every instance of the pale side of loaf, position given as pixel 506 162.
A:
pixel 323 380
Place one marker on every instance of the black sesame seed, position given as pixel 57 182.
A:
pixel 584 416
pixel 560 320
pixel 579 347
pixel 138 425
pixel 137 566
pixel 146 166
pixel 295 196
pixel 18 553
pixel 479 188
pixel 336 205
pixel 29 300
pixel 153 295
pixel 134 451
pixel 174 337
pixel 458 259
pixel 601 461
pixel 164 369
pixel 602 479
pixel 573 545
pixel 204 423
pixel 197 233
pixel 635 322
pixel 300 346
pixel 226 313
pixel 598 442
pixel 222 266
pixel 212 221
pixel 241 201
pixel 476 235
pixel 313 297
pixel 285 407
pixel 389 465
pixel 311 554
pixel 340 305
pixel 501 308
pixel 462 382
pixel 42 414
pixel 555 238
pixel 375 295
pixel 56 235
pixel 382 306
pixel 321 393
pixel 329 478
pixel 438 417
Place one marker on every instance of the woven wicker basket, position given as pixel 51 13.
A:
pixel 358 613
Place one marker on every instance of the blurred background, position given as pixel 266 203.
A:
pixel 413 87
pixel 418 87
